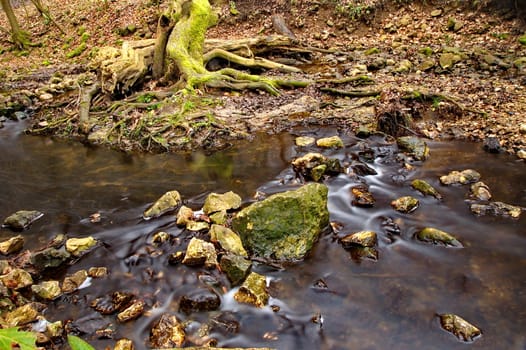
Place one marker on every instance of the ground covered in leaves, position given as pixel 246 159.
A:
pixel 402 67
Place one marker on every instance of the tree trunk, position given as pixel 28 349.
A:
pixel 20 37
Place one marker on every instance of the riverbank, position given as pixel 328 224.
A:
pixel 437 71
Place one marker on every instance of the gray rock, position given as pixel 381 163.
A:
pixel 460 177
pixel 497 209
pixel 49 258
pixel 284 225
pixel 415 146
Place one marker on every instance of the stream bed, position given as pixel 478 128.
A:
pixel 332 299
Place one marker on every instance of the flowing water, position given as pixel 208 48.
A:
pixel 333 299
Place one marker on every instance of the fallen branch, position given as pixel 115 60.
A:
pixel 358 80
pixel 351 93
pixel 86 94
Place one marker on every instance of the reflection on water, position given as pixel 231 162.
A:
pixel 357 304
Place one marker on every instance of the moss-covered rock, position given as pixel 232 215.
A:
pixel 200 252
pixel 360 239
pixel 405 204
pixel 227 239
pixel 436 236
pixel 330 142
pixel 22 219
pixel 425 188
pixel 12 245
pixel 235 267
pixel 313 166
pixel 285 225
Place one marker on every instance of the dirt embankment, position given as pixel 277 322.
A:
pixel 435 70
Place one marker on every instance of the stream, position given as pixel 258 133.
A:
pixel 332 299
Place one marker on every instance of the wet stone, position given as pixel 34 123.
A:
pixel 49 258
pixel 436 236
pixel 459 327
pixel 160 238
pixel 491 144
pixel 200 252
pixel 22 219
pixel 360 239
pixel 104 305
pixel 97 272
pixel 360 253
pixel 496 209
pixel 414 146
pixel 54 329
pixel 17 279
pixel 121 300
pixel 362 169
pixel 425 188
pixel 460 177
pixel 124 344
pixel 167 332
pixel 313 166
pixel 405 204
pixel 480 191
pixel 227 239
pixel 47 290
pixel 253 291
pixel 197 226
pixel 304 141
pixel 74 281
pixel 169 201
pixel 235 267
pixel 215 202
pixel 23 314
pixel 135 310
pixel 219 217
pixel 12 245
pixel 184 216
pixel 199 299
pixel 330 142
pixel 362 197
pixel 79 246
pixel 175 258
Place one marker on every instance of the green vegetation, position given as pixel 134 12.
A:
pixel 501 36
pixel 522 40
pixel 426 51
pixel 12 336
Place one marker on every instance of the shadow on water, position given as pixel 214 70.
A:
pixel 332 300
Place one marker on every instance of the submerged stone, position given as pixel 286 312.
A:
pixel 227 239
pixel 199 299
pixel 12 245
pixel 460 177
pixel 360 253
pixel 415 146
pixel 200 252
pixel 168 201
pixel 425 188
pixel 235 267
pixel 435 236
pixel 47 290
pixel 78 246
pixel 497 209
pixel 480 191
pixel 405 204
pixel 253 291
pixel 313 166
pixel 459 327
pixel 360 239
pixel 330 142
pixel 217 202
pixel 284 225
pixel 167 332
pixel 22 219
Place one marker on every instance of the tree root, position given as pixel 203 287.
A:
pixel 352 93
pixel 423 96
pixel 358 80
pixel 86 95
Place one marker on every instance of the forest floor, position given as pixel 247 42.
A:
pixel 431 69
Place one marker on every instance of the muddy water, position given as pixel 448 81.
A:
pixel 357 303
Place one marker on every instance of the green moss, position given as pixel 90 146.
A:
pixel 522 40
pixel 77 51
pixel 46 63
pixel 372 51
pixel 426 51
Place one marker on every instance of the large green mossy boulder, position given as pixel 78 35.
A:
pixel 285 225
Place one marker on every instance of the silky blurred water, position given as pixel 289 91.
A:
pixel 389 303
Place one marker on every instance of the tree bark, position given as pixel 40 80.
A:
pixel 20 37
